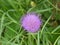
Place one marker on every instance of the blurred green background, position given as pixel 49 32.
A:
pixel 11 31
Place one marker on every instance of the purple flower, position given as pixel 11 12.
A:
pixel 31 22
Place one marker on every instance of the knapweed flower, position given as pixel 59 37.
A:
pixel 31 22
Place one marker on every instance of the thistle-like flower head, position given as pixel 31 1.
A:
pixel 31 22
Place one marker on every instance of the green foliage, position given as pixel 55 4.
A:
pixel 11 31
